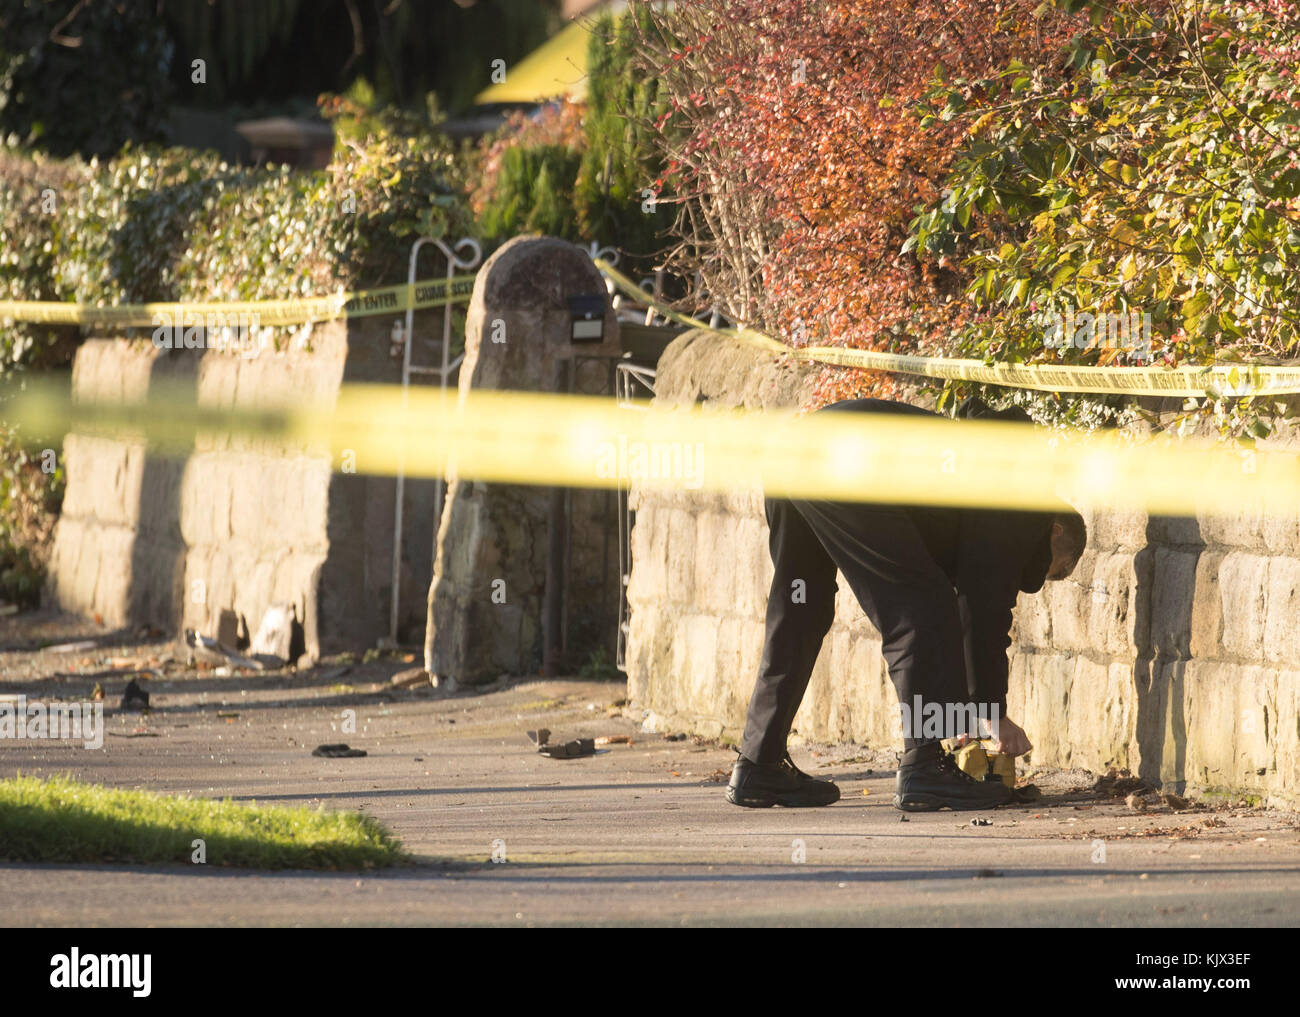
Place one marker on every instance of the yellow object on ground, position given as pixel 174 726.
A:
pixel 979 759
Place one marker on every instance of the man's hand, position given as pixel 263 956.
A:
pixel 1011 738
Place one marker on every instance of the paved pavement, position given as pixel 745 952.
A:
pixel 639 834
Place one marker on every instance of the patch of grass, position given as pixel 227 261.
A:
pixel 59 819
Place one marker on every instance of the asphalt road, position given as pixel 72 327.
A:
pixel 638 834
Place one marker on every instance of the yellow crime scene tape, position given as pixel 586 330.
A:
pixel 1229 380
pixel 573 441
pixel 297 311
pixel 577 441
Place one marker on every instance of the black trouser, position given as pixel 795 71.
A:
pixel 895 578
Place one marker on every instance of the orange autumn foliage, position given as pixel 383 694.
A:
pixel 796 149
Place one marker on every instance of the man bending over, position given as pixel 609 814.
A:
pixel 939 584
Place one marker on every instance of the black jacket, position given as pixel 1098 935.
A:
pixel 990 555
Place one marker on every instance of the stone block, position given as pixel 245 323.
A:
pixel 1070 604
pixel 1237 529
pixel 1124 530
pixel 1229 726
pixel 1172 604
pixel 681 556
pixel 701 637
pixel 1281 533
pixel 1115 615
pixel 753 569
pixel 1032 626
pixel 1207 606
pixel 1282 612
pixel 649 543
pixel 1243 584
pixel 728 672
pixel 715 536
pixel 1038 696
pixel 1099 719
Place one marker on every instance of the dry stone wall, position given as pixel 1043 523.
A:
pixel 239 523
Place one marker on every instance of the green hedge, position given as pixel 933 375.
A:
pixel 172 224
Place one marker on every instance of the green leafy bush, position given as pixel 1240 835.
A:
pixel 584 171
pixel 31 491
pixel 534 193
pixel 172 224
pixel 33 190
pixel 619 181
pixel 82 77
pixel 1153 170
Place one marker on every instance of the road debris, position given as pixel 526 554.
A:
pixel 575 749
pixel 1120 783
pixel 412 676
pixel 275 635
pixel 134 698
pixel 114 672
pixel 209 649
pixel 77 647
pixel 337 750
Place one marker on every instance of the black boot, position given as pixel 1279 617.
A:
pixel 760 786
pixel 929 779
